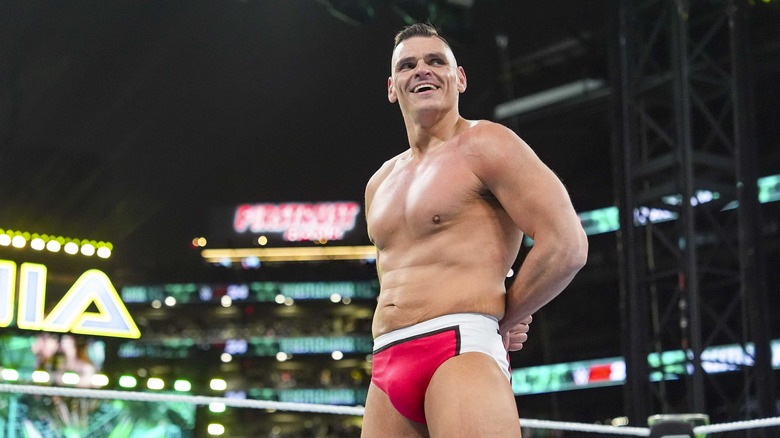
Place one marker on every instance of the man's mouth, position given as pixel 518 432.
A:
pixel 424 87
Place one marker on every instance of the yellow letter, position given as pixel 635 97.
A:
pixel 32 296
pixel 112 318
pixel 7 286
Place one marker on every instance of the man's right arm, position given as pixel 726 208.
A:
pixel 371 187
pixel 539 205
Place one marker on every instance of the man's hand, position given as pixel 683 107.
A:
pixel 515 336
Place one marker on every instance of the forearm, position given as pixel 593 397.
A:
pixel 546 271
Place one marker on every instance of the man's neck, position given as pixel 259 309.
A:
pixel 429 130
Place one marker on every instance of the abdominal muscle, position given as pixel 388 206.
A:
pixel 421 283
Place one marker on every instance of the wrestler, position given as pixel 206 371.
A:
pixel 447 217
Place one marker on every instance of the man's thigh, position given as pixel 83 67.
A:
pixel 381 420
pixel 470 396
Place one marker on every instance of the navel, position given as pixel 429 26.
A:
pixel 436 219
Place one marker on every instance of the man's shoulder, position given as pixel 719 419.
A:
pixel 389 164
pixel 485 137
pixel 485 128
pixel 385 169
pixel 489 149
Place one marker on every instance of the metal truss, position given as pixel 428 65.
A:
pixel 691 274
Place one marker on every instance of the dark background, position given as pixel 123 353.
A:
pixel 126 121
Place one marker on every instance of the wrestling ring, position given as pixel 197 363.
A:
pixel 677 426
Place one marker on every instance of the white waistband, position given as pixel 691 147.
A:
pixel 471 319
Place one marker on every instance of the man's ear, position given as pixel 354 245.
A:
pixel 391 96
pixel 462 82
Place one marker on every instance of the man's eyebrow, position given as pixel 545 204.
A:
pixel 403 61
pixel 436 55
pixel 429 55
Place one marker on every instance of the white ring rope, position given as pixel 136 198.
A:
pixel 738 425
pixel 192 399
pixel 350 410
pixel 584 427
pixel 282 406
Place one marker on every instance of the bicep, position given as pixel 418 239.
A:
pixel 528 190
pixel 371 187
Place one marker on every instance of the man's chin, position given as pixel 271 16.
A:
pixel 427 105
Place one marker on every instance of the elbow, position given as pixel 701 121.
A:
pixel 582 249
pixel 567 250
pixel 577 251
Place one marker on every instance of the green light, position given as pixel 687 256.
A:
pixel 39 376
pixel 769 189
pixel 603 220
pixel 127 382
pixel 216 429
pixel 100 380
pixel 70 378
pixel 37 244
pixel 9 375
pixel 155 383
pixel 54 243
pixel 218 384
pixel 182 385
pixel 217 407
pixel 18 241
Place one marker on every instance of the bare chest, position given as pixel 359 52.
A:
pixel 420 199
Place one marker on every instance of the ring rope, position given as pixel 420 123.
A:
pixel 192 399
pixel 351 410
pixel 283 406
pixel 738 425
pixel 583 427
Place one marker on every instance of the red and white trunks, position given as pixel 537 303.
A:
pixel 405 359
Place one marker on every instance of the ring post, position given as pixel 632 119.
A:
pixel 677 425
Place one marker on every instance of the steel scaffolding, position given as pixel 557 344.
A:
pixel 685 162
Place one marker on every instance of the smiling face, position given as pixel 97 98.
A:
pixel 425 76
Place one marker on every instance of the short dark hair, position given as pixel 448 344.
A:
pixel 418 30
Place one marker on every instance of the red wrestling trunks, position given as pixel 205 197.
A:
pixel 404 360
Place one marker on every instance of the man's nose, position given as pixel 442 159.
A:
pixel 422 69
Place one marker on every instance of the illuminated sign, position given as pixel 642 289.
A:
pixel 260 291
pixel 339 396
pixel 298 221
pixel 667 365
pixel 182 347
pixel 70 314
